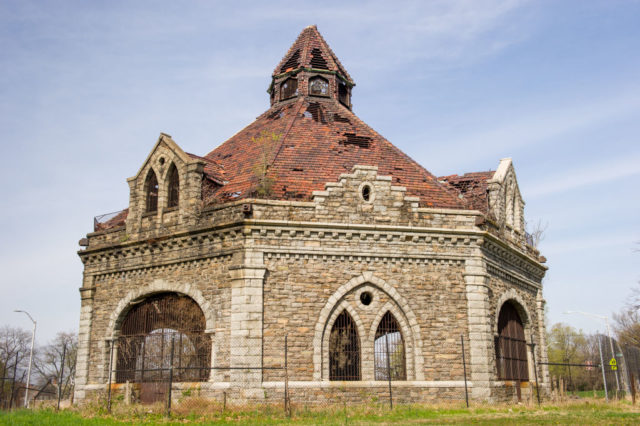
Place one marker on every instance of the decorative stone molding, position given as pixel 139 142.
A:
pixel 159 286
pixel 322 329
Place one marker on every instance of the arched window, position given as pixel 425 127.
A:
pixel 343 94
pixel 389 355
pixel 174 187
pixel 151 190
pixel 511 347
pixel 318 86
pixel 344 349
pixel 164 330
pixel 289 88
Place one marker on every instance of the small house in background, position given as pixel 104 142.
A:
pixel 309 226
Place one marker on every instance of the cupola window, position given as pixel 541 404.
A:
pixel 151 190
pixel 318 86
pixel 174 187
pixel 289 88
pixel 343 94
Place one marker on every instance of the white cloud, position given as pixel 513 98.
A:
pixel 610 170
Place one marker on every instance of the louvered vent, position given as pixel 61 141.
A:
pixel 317 61
pixel 292 62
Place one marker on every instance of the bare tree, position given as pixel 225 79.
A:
pixel 14 348
pixel 535 232
pixel 48 363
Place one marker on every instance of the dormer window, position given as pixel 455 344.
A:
pixel 151 191
pixel 318 86
pixel 289 88
pixel 174 187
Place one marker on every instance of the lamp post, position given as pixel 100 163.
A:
pixel 33 339
pixel 606 321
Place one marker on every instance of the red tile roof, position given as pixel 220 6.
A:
pixel 317 140
pixel 473 187
pixel 310 50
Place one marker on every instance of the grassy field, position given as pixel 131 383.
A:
pixel 582 412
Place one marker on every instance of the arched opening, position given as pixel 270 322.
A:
pixel 151 191
pixel 162 331
pixel 388 349
pixel 174 187
pixel 344 349
pixel 289 88
pixel 318 86
pixel 511 346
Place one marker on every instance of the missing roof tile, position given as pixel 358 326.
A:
pixel 317 61
pixel 353 139
pixel 316 112
pixel 341 119
pixel 275 114
pixel 292 62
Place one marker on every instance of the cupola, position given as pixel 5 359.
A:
pixel 310 69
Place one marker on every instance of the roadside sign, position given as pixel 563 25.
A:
pixel 613 364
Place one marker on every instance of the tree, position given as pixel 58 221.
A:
pixel 566 345
pixel 627 322
pixel 14 348
pixel 48 363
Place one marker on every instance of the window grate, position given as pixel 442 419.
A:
pixel 344 349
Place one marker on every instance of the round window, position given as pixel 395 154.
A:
pixel 366 298
pixel 365 192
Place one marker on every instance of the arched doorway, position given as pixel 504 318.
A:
pixel 511 346
pixel 162 331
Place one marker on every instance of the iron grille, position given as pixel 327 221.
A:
pixel 389 353
pixel 344 349
pixel 163 331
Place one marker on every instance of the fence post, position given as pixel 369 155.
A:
pixel 110 371
pixel 464 371
pixel 535 368
pixel 386 342
pixel 287 401
pixel 170 378
pixel 604 377
pixel 632 385
pixel 64 353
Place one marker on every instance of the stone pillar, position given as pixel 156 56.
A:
pixel 84 338
pixel 480 332
pixel 246 320
pixel 542 342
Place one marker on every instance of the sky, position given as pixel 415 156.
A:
pixel 87 87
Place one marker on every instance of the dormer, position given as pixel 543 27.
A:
pixel 505 200
pixel 166 191
pixel 310 68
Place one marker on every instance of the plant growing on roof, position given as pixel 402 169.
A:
pixel 267 144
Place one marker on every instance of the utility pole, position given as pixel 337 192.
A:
pixel 33 339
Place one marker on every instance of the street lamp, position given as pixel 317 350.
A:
pixel 606 321
pixel 33 339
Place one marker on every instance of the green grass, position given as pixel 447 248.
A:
pixel 582 412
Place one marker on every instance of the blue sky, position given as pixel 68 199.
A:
pixel 86 88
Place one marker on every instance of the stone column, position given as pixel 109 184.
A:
pixel 84 338
pixel 480 333
pixel 246 320
pixel 542 343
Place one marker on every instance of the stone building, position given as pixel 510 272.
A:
pixel 308 223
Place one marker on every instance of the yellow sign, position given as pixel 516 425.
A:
pixel 613 364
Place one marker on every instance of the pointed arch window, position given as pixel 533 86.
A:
pixel 344 349
pixel 389 350
pixel 318 86
pixel 151 191
pixel 511 346
pixel 174 187
pixel 289 88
